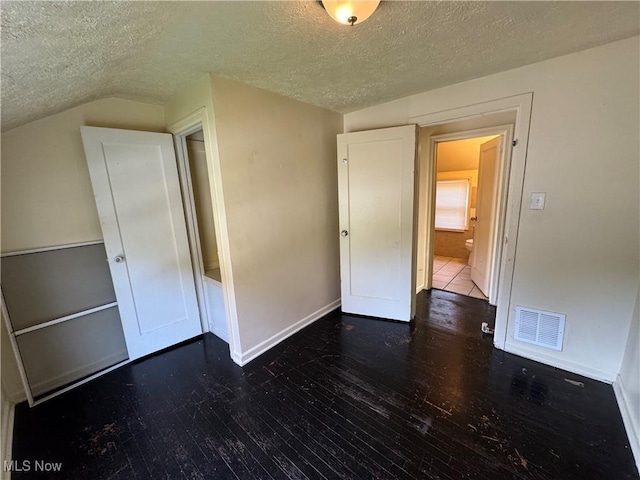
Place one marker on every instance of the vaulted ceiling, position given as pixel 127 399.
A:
pixel 56 55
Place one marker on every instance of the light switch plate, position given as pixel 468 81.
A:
pixel 537 201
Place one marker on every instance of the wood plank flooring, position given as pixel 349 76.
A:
pixel 345 398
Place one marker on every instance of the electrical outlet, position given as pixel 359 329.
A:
pixel 537 201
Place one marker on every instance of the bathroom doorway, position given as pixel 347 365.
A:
pixel 466 181
pixel 457 194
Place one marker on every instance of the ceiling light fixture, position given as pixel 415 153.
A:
pixel 350 12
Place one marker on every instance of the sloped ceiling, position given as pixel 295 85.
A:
pixel 56 55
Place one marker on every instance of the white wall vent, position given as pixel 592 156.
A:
pixel 540 328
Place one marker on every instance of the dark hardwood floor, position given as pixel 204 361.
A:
pixel 348 398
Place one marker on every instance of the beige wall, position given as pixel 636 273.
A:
pixel 278 165
pixel 580 255
pixel 194 96
pixel 47 197
pixel 451 244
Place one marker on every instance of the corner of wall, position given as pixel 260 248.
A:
pixel 254 352
pixel 626 411
pixel 196 94
pixel 627 384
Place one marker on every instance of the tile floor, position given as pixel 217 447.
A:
pixel 454 275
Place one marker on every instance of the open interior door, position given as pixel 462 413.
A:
pixel 136 186
pixel 486 213
pixel 376 191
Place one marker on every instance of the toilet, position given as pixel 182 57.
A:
pixel 468 244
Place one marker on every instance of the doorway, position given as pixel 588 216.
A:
pixel 218 311
pixel 453 161
pixel 465 209
pixel 203 239
pixel 480 119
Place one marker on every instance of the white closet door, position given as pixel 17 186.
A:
pixel 135 182
pixel 376 178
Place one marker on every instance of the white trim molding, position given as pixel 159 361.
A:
pixel 7 415
pixel 188 203
pixel 52 248
pixel 631 425
pixel 73 316
pixel 254 352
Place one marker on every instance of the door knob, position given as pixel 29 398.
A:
pixel 344 233
pixel 118 259
pixel 473 219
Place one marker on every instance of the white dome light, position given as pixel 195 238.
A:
pixel 350 12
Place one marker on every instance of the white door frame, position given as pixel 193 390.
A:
pixel 521 105
pixel 186 184
pixel 199 120
pixel 504 161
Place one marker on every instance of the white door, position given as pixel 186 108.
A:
pixel 135 183
pixel 486 209
pixel 376 179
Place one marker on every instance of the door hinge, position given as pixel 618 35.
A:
pixel 514 143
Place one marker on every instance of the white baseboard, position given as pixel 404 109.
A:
pixel 246 357
pixel 631 425
pixel 73 375
pixel 222 334
pixel 595 374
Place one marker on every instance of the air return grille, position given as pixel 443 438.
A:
pixel 540 328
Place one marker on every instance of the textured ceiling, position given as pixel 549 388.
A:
pixel 56 55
